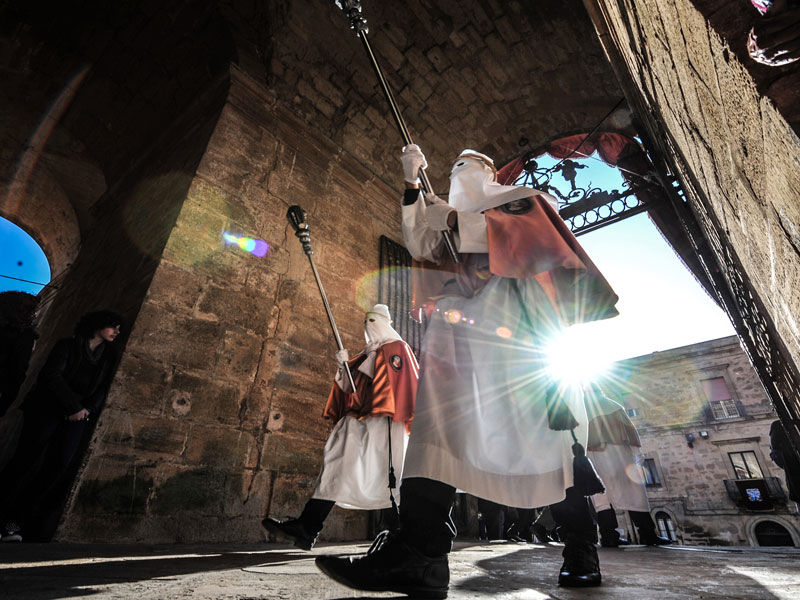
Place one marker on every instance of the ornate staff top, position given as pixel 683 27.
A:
pixel 352 8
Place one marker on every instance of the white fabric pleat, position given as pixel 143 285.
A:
pixel 355 463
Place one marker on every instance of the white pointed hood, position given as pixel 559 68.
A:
pixel 378 328
pixel 474 187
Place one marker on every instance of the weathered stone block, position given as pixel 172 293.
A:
pixel 175 287
pixel 298 454
pixel 142 436
pixel 118 489
pixel 245 307
pixel 139 385
pixel 180 340
pixel 221 447
pixel 198 398
pixel 181 490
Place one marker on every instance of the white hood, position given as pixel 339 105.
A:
pixel 378 328
pixel 474 187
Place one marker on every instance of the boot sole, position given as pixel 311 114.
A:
pixel 576 584
pixel 414 592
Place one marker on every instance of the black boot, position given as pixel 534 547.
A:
pixel 581 566
pixel 541 534
pixel 609 536
pixel 304 530
pixel 578 530
pixel 293 529
pixel 391 566
pixel 647 529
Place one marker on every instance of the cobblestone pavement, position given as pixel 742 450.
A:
pixel 503 571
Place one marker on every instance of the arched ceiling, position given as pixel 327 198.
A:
pixel 484 74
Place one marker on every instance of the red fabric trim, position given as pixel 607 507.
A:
pixel 539 244
pixel 390 392
pixel 509 173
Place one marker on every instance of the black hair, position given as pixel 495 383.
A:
pixel 97 320
pixel 17 309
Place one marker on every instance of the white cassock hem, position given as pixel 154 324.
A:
pixel 519 491
pixel 355 463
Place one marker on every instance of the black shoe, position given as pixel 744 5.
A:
pixel 610 542
pixel 541 534
pixel 581 566
pixel 390 566
pixel 293 529
pixel 655 540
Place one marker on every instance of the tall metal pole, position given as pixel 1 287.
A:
pixel 352 8
pixel 297 219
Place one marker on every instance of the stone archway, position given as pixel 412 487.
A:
pixel 762 530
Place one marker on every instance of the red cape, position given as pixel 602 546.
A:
pixel 536 244
pixel 391 392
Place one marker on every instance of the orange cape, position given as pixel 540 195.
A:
pixel 391 392
pixel 532 244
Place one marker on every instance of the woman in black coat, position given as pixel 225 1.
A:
pixel 69 390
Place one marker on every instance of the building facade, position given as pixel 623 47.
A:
pixel 704 422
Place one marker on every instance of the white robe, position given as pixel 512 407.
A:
pixel 483 427
pixel 619 465
pixel 619 468
pixel 355 463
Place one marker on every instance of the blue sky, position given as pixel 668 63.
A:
pixel 21 257
pixel 661 305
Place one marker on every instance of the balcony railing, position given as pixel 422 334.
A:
pixel 756 494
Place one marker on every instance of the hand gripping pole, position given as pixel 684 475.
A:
pixel 297 219
pixel 352 8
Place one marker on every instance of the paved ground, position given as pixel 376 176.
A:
pixel 498 571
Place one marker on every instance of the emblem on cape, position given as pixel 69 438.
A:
pixel 396 361
pixel 517 207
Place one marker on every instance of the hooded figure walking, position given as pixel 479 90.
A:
pixel 615 450
pixel 366 449
pixel 488 420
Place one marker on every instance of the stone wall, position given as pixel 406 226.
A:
pixel 665 388
pixel 215 415
pixel 736 155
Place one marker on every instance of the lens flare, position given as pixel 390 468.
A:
pixel 255 247
pixel 504 332
pixel 635 473
pixel 573 361
pixel 453 316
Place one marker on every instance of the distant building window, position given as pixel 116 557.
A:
pixel 666 528
pixel 724 409
pixel 634 413
pixel 719 398
pixel 745 465
pixel 650 473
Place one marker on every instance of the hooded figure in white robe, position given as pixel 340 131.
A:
pixel 365 451
pixel 483 422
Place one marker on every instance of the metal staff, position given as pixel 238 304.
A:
pixel 297 219
pixel 352 8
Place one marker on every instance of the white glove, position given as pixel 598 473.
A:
pixel 437 216
pixel 342 356
pixel 413 160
